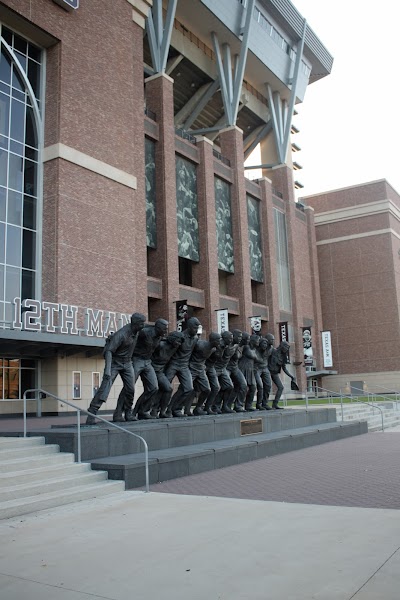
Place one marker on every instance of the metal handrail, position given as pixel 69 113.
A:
pixel 351 397
pixel 330 392
pixel 79 410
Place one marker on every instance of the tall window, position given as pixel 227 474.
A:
pixel 16 376
pixel 19 155
pixel 151 220
pixel 282 259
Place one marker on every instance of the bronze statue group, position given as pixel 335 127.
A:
pixel 220 375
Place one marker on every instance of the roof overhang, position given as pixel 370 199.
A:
pixel 321 373
pixel 15 343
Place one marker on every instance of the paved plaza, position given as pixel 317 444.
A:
pixel 319 523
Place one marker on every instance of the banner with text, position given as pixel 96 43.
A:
pixel 222 320
pixel 182 314
pixel 327 349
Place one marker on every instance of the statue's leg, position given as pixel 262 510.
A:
pixel 267 385
pixel 101 396
pixel 128 377
pixel 240 389
pixel 279 389
pixel 215 387
pixel 203 385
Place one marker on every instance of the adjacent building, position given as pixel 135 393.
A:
pixel 358 246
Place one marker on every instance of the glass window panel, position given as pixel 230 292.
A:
pixel 13 283
pixel 29 212
pixel 15 172
pixel 18 95
pixel 3 142
pixel 30 178
pixel 34 76
pixel 2 282
pixel 28 363
pixel 5 67
pixel 3 193
pixel 20 44
pixel 34 52
pixel 2 243
pixel 28 284
pixel 28 249
pixel 7 35
pixel 11 382
pixel 1 319
pixel 27 380
pixel 31 153
pixel 4 114
pixel 3 167
pixel 16 147
pixel 30 135
pixel 14 214
pixel 9 312
pixel 17 125
pixel 4 87
pixel 13 246
pixel 17 81
pixel 22 59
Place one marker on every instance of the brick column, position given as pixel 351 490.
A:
pixel 316 290
pixel 239 284
pixel 269 254
pixel 282 180
pixel 163 261
pixel 206 271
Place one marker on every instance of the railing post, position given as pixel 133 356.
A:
pixel 24 397
pixel 78 412
pixel 306 399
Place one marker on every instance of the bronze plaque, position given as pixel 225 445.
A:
pixel 251 426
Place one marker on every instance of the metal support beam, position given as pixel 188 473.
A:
pixel 231 83
pixel 295 79
pixel 173 63
pixel 202 103
pixel 256 137
pixel 159 34
pixel 264 166
pixel 281 110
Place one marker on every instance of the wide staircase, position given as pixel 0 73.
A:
pixel 371 414
pixel 36 476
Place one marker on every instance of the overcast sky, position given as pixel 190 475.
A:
pixel 350 121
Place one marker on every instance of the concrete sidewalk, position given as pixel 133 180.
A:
pixel 174 547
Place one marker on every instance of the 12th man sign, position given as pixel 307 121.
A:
pixel 68 4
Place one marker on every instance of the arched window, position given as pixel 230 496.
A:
pixel 20 146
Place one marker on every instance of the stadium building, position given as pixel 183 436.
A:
pixel 125 127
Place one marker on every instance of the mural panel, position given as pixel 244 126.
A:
pixel 150 171
pixel 255 246
pixel 224 225
pixel 187 209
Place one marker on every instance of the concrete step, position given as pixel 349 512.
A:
pixel 28 451
pixel 14 508
pixel 23 490
pixel 43 474
pixel 20 442
pixel 179 461
pixel 22 464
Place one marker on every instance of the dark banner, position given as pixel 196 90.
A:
pixel 284 335
pixel 307 346
pixel 182 314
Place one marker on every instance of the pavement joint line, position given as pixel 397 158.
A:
pixel 373 574
pixel 59 587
